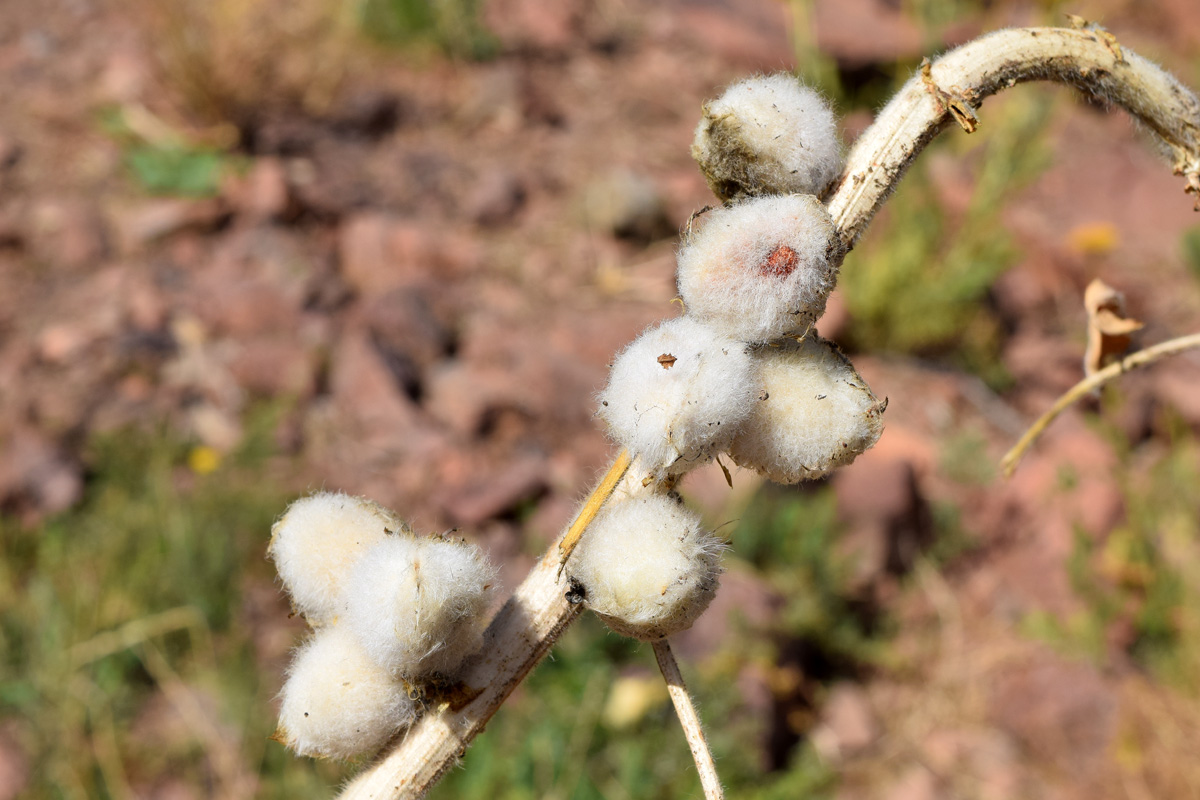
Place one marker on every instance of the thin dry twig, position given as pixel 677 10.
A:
pixel 1142 358
pixel 690 720
pixel 950 90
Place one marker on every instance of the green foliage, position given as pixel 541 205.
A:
pixel 169 164
pixel 964 458
pixel 452 25
pixel 1190 245
pixel 1140 585
pixel 918 284
pixel 790 536
pixel 176 170
pixel 134 605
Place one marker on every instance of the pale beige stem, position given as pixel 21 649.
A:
pixel 690 720
pixel 952 89
pixel 1141 358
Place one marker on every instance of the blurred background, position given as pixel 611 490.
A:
pixel 254 248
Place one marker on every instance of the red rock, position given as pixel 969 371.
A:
pixel 157 219
pixel 917 783
pixel 495 198
pixel 262 195
pixel 531 24
pixel 274 367
pixel 862 32
pixel 1038 361
pixel 62 342
pixel 751 35
pixel 489 497
pixel 413 323
pixel 377 422
pixel 742 599
pixel 14 765
pixel 36 476
pixel 69 234
pixel 10 152
pixel 848 722
pixel 1176 385
pixel 1062 710
pixel 379 253
pixel 888 519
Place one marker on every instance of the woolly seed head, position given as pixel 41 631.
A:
pixel 677 394
pixel 762 268
pixel 768 135
pixel 337 702
pixel 647 567
pixel 317 540
pixel 816 413
pixel 417 604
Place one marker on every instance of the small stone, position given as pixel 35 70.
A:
pixel 495 199
pixel 36 477
pixel 262 195
pixel 888 519
pixel 627 205
pixel 62 342
pixel 157 219
pixel 69 233
pixel 270 367
pixel 379 252
pixel 848 723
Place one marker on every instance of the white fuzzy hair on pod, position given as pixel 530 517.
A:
pixel 768 135
pixel 676 395
pixel 647 567
pixel 417 605
pixel 317 540
pixel 762 268
pixel 816 413
pixel 337 702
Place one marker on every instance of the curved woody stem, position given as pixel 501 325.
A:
pixel 948 90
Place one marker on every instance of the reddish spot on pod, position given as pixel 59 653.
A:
pixel 782 261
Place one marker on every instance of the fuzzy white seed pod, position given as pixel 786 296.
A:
pixel 337 702
pixel 816 413
pixel 768 135
pixel 318 539
pixel 417 605
pixel 647 567
pixel 762 268
pixel 677 394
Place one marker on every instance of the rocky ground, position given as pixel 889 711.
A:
pixel 428 275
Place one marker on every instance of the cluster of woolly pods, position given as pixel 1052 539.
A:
pixel 742 371
pixel 391 610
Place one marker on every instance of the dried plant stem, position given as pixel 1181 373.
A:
pixel 516 640
pixel 566 545
pixel 1142 358
pixel 950 89
pixel 690 721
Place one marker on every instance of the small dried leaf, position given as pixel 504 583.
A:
pixel 667 360
pixel 1108 328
